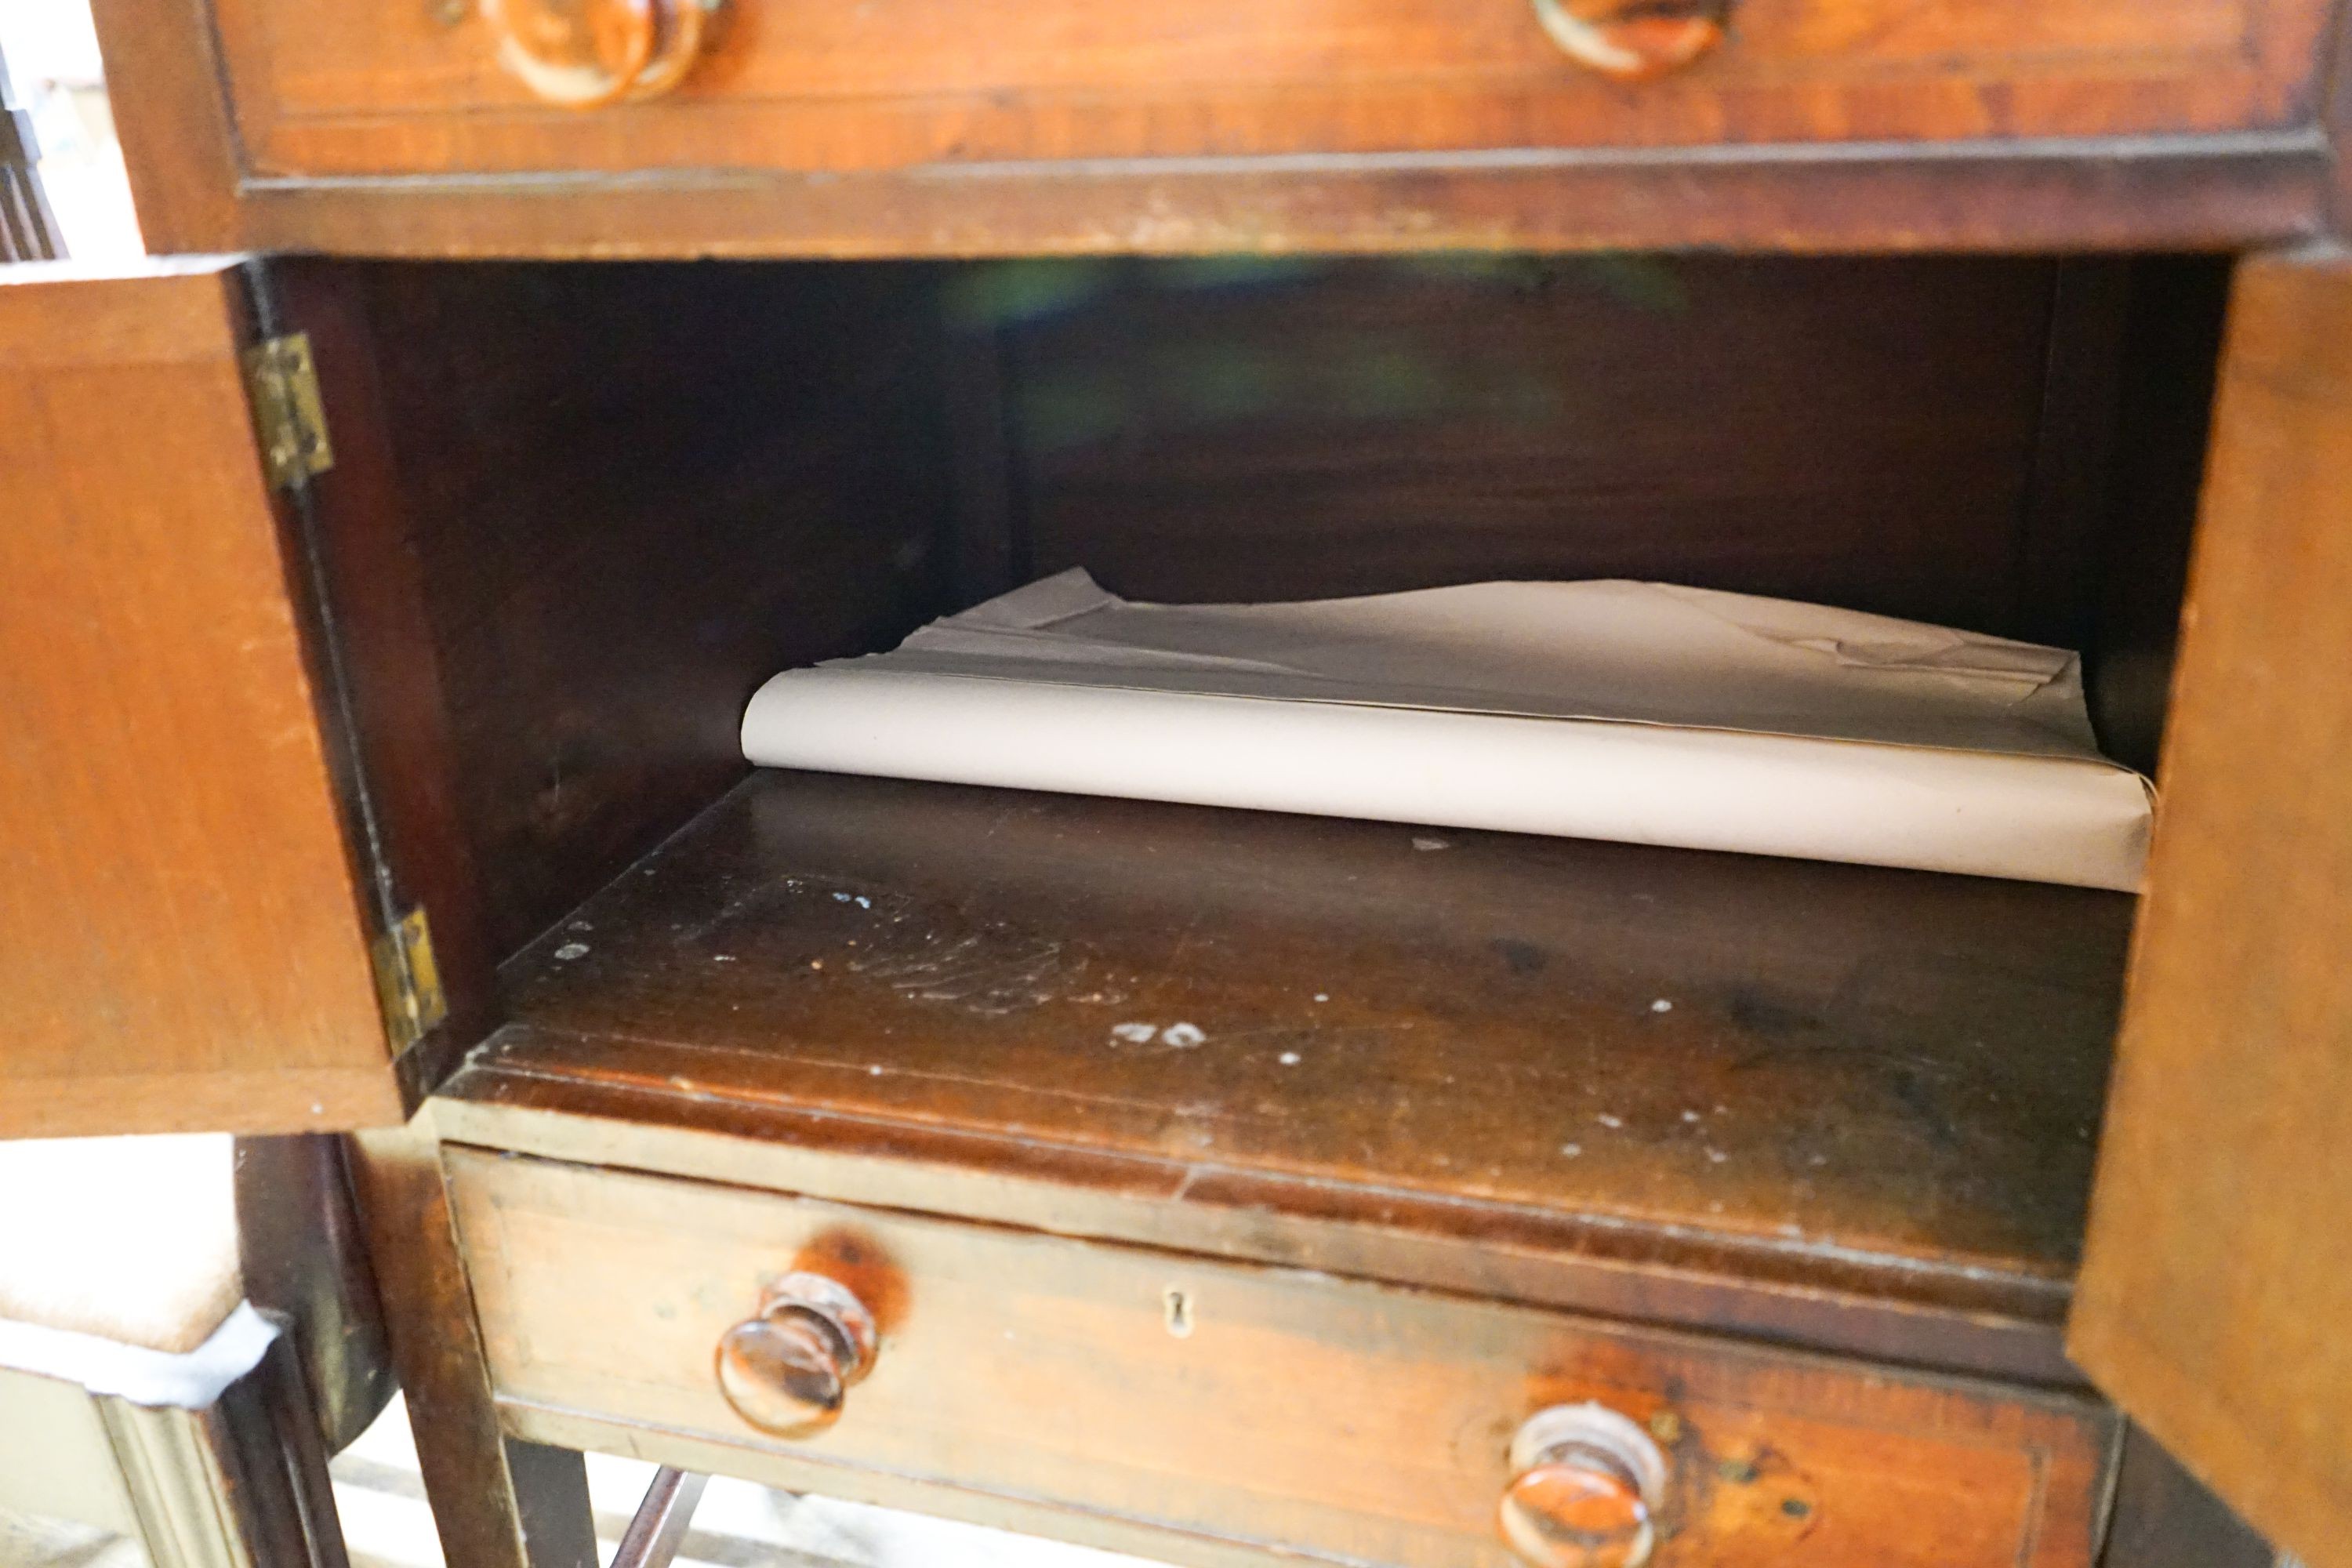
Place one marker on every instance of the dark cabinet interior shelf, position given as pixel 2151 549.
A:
pixel 1866 1099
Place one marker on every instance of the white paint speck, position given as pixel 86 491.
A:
pixel 1717 1156
pixel 1690 1116
pixel 579 925
pixel 1134 1034
pixel 572 950
pixel 1571 1149
pixel 1322 996
pixel 317 1109
pixel 1183 1037
pixel 1288 1059
pixel 1661 1006
pixel 1611 1122
pixel 1430 844
pixel 874 1071
pixel 723 958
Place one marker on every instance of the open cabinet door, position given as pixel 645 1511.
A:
pixel 2215 1302
pixel 185 943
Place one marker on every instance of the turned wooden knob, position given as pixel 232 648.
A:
pixel 1584 1483
pixel 583 53
pixel 1633 40
pixel 788 1370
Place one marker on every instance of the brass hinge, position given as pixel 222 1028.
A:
pixel 286 409
pixel 407 981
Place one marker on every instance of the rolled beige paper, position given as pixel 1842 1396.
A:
pixel 1631 712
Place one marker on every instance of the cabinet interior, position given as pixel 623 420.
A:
pixel 582 511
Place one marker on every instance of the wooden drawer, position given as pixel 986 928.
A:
pixel 1040 1382
pixel 351 89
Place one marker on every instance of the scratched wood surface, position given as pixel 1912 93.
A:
pixel 1822 1082
pixel 1296 1415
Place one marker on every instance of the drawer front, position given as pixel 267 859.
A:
pixel 355 87
pixel 1204 1412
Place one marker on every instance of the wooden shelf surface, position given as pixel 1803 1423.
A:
pixel 1837 1104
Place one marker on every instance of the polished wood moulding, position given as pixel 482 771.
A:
pixel 1840 1106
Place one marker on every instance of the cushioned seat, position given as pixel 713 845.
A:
pixel 140 1390
pixel 128 1239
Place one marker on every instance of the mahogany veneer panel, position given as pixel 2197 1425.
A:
pixel 184 944
pixel 2213 1289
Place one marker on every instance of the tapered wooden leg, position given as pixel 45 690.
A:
pixel 496 1504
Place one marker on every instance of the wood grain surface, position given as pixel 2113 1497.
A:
pixel 1805 1091
pixel 349 89
pixel 1885 435
pixel 182 945
pixel 497 1502
pixel 2212 1292
pixel 627 496
pixel 1987 159
pixel 1285 1413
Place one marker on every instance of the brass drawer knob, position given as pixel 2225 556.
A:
pixel 788 1370
pixel 1584 1483
pixel 1633 40
pixel 583 53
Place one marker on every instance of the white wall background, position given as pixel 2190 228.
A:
pixel 54 69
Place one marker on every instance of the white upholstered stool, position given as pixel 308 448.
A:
pixel 139 1391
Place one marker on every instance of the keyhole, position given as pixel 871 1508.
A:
pixel 1179 1313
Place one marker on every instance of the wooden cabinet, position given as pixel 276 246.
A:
pixel 391 765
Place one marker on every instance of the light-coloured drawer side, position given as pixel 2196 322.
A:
pixel 1329 1418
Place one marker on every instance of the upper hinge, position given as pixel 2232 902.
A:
pixel 408 981
pixel 286 409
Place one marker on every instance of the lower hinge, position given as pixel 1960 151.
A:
pixel 407 981
pixel 288 411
